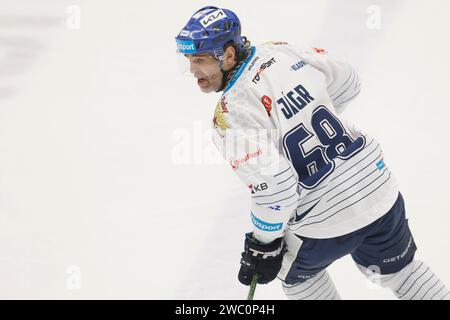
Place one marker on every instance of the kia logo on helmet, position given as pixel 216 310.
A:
pixel 213 17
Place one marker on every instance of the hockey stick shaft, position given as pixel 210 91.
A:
pixel 251 291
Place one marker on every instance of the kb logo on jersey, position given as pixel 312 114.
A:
pixel 258 187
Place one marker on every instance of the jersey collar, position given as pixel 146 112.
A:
pixel 239 71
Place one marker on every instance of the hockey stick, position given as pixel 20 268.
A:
pixel 251 291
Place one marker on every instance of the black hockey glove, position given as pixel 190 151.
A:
pixel 264 259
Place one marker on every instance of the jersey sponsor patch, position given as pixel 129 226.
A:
pixel 259 187
pixel 262 67
pixel 235 163
pixel 279 43
pixel 276 43
pixel 265 226
pixel 298 65
pixel 252 64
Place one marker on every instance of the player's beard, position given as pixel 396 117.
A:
pixel 211 83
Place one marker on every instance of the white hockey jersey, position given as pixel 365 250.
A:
pixel 308 170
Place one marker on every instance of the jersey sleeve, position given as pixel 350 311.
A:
pixel 343 82
pixel 242 135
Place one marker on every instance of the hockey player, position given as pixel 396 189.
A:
pixel 320 188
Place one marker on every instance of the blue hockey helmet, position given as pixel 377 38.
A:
pixel 208 30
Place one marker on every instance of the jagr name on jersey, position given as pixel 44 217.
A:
pixel 294 101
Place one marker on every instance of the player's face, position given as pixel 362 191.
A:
pixel 207 71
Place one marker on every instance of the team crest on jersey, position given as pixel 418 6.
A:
pixel 219 118
pixel 267 102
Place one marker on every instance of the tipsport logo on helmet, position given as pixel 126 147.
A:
pixel 186 46
pixel 212 17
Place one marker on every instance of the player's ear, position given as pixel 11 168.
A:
pixel 229 58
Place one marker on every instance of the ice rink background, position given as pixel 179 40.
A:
pixel 94 202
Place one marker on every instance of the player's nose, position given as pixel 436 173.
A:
pixel 192 68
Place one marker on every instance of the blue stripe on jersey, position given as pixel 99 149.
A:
pixel 351 204
pixel 332 96
pixel 312 196
pixel 342 182
pixel 285 180
pixel 281 172
pixel 315 190
pixel 346 89
pixel 350 195
pixel 357 182
pixel 259 204
pixel 350 98
pixel 354 164
pixel 313 200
